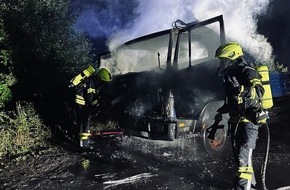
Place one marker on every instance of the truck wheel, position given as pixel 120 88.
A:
pixel 207 118
pixel 216 145
pixel 171 131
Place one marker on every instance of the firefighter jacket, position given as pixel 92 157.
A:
pixel 243 90
pixel 87 92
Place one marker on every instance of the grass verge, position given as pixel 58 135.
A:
pixel 21 131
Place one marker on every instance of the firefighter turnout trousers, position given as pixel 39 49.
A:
pixel 243 139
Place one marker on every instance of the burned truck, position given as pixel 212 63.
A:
pixel 165 84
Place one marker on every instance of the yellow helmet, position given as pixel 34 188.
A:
pixel 230 51
pixel 104 75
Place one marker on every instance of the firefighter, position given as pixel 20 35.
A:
pixel 243 93
pixel 87 100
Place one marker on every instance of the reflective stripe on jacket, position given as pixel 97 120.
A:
pixel 248 94
pixel 87 93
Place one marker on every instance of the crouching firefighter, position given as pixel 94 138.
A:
pixel 243 94
pixel 87 86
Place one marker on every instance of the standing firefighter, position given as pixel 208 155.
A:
pixel 88 85
pixel 243 93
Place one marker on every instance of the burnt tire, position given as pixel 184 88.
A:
pixel 218 144
pixel 171 131
pixel 207 119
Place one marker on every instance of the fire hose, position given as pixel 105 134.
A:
pixel 266 157
pixel 265 163
pixel 211 135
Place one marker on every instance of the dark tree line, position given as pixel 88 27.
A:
pixel 39 53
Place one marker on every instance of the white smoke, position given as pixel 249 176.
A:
pixel 240 19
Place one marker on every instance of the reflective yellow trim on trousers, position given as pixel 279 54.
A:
pixel 84 136
pixel 246 169
pixel 245 176
pixel 245 172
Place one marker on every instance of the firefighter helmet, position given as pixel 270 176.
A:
pixel 104 75
pixel 230 51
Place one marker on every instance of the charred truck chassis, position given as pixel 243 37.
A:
pixel 171 89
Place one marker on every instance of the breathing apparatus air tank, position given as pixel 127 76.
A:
pixel 267 99
pixel 82 76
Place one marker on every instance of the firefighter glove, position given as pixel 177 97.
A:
pixel 223 109
pixel 218 117
pixel 215 126
pixel 212 130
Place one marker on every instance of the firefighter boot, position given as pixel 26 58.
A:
pixel 85 140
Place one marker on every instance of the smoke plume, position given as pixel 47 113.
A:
pixel 240 21
pixel 118 21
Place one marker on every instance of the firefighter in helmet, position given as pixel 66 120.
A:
pixel 87 99
pixel 243 93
